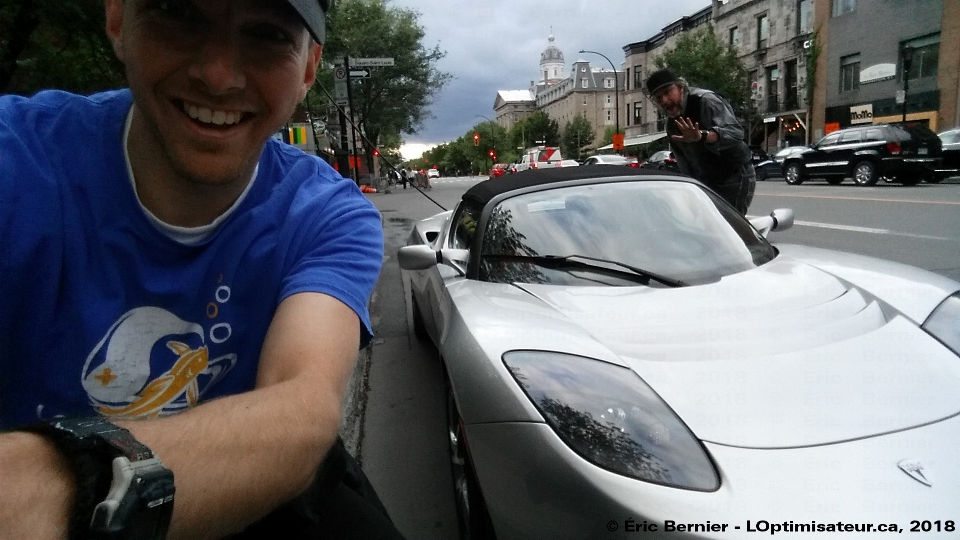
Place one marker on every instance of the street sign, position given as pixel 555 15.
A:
pixel 340 73
pixel 359 73
pixel 370 62
pixel 901 97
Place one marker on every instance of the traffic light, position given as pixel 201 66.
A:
pixel 476 139
pixel 376 152
pixel 492 155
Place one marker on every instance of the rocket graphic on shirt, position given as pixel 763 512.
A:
pixel 151 363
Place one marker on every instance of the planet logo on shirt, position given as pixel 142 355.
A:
pixel 151 363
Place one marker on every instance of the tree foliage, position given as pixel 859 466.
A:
pixel 394 99
pixel 706 62
pixel 56 44
pixel 578 136
pixel 536 129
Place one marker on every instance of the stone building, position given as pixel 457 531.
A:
pixel 864 45
pixel 587 91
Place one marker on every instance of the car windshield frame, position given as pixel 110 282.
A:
pixel 675 229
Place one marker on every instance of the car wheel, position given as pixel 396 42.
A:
pixel 761 176
pixel 909 180
pixel 865 173
pixel 834 181
pixel 472 515
pixel 934 178
pixel 419 329
pixel 793 174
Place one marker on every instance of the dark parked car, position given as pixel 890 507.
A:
pixel 951 155
pixel 905 153
pixel 662 160
pixel 773 167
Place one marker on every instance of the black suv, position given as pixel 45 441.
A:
pixel 905 153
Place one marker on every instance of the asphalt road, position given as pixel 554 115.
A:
pixel 403 445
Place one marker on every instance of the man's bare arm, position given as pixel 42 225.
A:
pixel 237 458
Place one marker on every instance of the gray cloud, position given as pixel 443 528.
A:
pixel 496 45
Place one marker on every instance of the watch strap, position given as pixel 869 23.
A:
pixel 102 456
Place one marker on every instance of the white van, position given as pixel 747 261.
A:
pixel 540 157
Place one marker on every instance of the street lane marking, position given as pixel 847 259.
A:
pixel 951 203
pixel 870 230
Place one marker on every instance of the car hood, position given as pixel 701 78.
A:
pixel 784 355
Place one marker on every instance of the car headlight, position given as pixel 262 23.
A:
pixel 612 418
pixel 944 323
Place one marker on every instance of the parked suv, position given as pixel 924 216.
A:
pixel 905 153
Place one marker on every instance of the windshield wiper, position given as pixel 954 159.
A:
pixel 583 261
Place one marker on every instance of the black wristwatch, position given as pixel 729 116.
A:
pixel 703 135
pixel 123 490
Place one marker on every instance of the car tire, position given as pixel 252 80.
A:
pixel 761 176
pixel 865 173
pixel 934 178
pixel 833 181
pixel 419 328
pixel 472 514
pixel 793 174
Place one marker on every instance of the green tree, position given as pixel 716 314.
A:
pixel 394 99
pixel 536 129
pixel 578 135
pixel 706 62
pixel 56 44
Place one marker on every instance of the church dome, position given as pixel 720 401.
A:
pixel 551 54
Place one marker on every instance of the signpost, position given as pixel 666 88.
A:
pixel 371 62
pixel 342 75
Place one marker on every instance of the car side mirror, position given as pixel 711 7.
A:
pixel 421 257
pixel 780 219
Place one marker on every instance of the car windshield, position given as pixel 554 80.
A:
pixel 672 229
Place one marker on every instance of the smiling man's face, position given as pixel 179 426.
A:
pixel 211 80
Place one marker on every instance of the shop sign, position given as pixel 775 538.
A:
pixel 861 114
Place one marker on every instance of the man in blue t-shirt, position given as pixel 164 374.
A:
pixel 168 268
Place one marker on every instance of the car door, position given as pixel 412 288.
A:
pixel 460 235
pixel 822 156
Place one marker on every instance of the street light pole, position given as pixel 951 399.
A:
pixel 616 87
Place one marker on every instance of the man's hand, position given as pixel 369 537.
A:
pixel 689 131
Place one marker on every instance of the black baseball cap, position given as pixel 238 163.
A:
pixel 313 14
pixel 659 80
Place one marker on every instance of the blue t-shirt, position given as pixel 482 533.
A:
pixel 101 312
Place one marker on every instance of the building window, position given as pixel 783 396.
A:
pixel 608 83
pixel 626 80
pixel 583 69
pixel 924 57
pixel 584 100
pixel 638 77
pixel 763 31
pixel 773 86
pixel 843 6
pixel 583 82
pixel 850 73
pixel 638 113
pixel 609 116
pixel 554 73
pixel 734 37
pixel 805 16
pixel 628 114
pixel 609 101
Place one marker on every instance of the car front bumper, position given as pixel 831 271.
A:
pixel 535 486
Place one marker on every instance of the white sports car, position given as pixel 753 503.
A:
pixel 626 353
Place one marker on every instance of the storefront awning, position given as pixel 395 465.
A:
pixel 638 141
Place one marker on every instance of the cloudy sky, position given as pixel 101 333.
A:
pixel 496 45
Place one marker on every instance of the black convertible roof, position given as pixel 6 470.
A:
pixel 488 189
